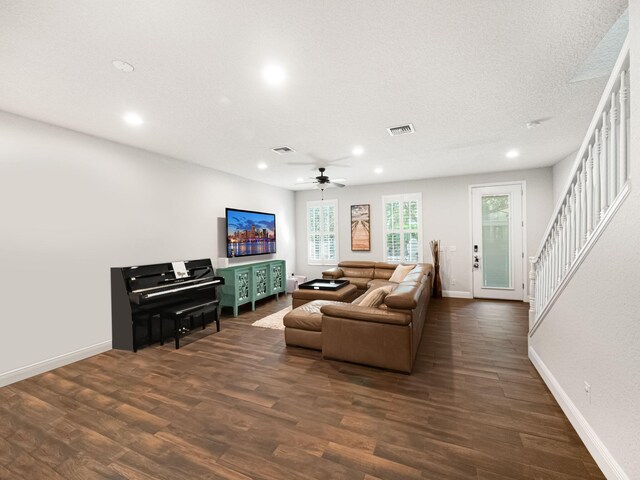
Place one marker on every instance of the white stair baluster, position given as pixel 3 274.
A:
pixel 567 258
pixel 596 179
pixel 622 150
pixel 589 188
pixel 613 158
pixel 583 204
pixel 578 214
pixel 563 240
pixel 604 166
pixel 554 257
pixel 574 221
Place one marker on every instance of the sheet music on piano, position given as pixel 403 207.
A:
pixel 180 270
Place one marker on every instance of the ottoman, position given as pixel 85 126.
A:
pixel 346 294
pixel 303 325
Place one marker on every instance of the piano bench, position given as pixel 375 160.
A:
pixel 177 313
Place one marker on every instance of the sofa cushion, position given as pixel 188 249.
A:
pixel 406 296
pixel 360 283
pixel 379 282
pixel 307 316
pixel 400 272
pixel 375 297
pixel 353 272
pixel 356 264
pixel 384 270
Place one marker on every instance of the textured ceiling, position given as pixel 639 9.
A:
pixel 468 74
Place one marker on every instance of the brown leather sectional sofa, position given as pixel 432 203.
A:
pixel 387 336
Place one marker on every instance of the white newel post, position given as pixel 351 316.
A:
pixel 613 158
pixel 622 151
pixel 532 291
pixel 604 166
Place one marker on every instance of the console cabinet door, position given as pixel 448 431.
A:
pixel 260 282
pixel 277 277
pixel 243 286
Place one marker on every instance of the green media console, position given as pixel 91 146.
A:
pixel 250 282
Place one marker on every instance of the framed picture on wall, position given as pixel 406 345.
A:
pixel 360 228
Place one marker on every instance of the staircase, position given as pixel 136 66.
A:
pixel 598 185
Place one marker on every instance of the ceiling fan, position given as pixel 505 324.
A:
pixel 322 181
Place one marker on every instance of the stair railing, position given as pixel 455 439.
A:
pixel 597 186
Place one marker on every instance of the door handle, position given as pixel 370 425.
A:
pixel 476 261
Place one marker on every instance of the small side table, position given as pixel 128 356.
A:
pixel 293 281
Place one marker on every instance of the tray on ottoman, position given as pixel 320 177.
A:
pixel 347 293
pixel 323 284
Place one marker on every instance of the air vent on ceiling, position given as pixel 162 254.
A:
pixel 282 150
pixel 401 130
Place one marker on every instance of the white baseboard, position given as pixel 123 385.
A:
pixel 37 368
pixel 596 448
pixel 456 294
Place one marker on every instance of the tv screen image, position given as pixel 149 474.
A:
pixel 250 233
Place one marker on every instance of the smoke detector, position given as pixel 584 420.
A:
pixel 401 130
pixel 283 150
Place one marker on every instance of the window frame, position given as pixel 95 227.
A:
pixel 323 232
pixel 401 198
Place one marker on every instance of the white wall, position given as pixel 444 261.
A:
pixel 445 211
pixel 72 206
pixel 592 332
pixel 560 173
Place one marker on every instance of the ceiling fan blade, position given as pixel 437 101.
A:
pixel 326 161
pixel 300 163
pixel 346 157
pixel 338 180
pixel 339 185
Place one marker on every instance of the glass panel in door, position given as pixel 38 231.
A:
pixel 496 243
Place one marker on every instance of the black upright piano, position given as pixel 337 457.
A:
pixel 144 298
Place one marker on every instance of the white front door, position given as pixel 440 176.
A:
pixel 497 242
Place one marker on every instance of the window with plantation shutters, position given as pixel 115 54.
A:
pixel 322 232
pixel 402 228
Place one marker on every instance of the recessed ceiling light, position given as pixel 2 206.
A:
pixel 299 179
pixel 378 170
pixel 513 154
pixel 133 118
pixel 274 75
pixel 122 66
pixel 262 166
pixel 357 150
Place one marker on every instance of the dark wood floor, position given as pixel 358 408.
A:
pixel 238 404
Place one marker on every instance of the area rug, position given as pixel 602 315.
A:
pixel 273 321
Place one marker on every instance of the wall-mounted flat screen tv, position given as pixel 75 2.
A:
pixel 250 233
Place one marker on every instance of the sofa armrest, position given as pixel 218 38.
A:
pixel 333 273
pixel 367 314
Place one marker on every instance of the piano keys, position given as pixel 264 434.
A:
pixel 140 295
